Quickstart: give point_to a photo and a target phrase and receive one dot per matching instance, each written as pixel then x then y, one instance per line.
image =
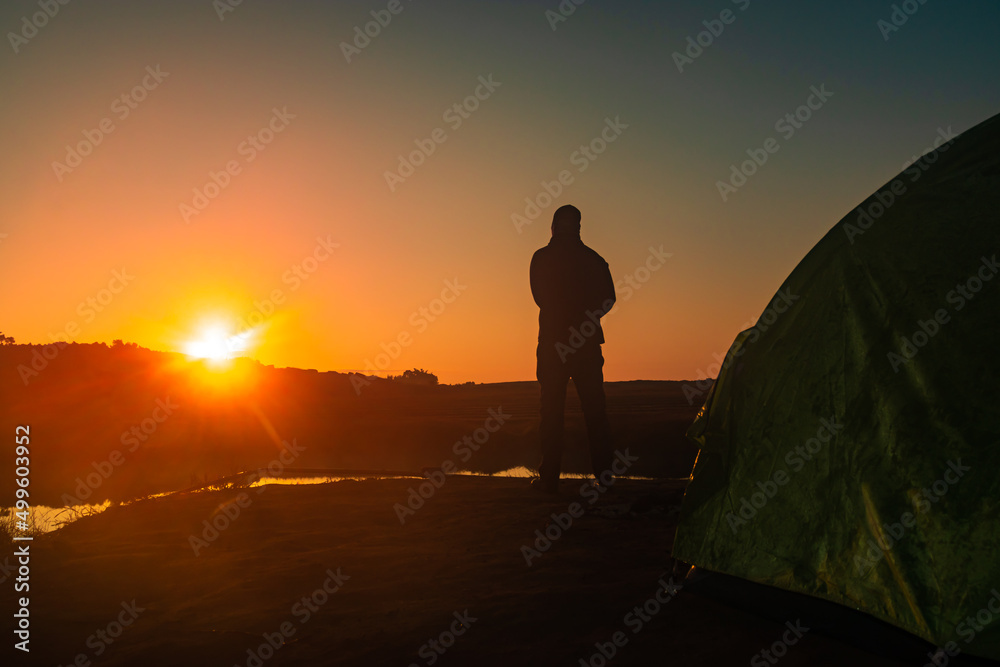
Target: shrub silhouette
pixel 416 376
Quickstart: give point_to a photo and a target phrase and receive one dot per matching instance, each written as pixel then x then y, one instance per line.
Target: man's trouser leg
pixel 588 378
pixel 552 376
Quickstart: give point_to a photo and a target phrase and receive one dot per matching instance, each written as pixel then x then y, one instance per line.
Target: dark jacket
pixel 572 285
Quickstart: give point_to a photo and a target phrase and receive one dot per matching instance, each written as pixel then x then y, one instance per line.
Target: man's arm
pixel 605 289
pixel 535 277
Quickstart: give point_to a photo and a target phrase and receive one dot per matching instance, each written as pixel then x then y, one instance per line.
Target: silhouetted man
pixel 573 288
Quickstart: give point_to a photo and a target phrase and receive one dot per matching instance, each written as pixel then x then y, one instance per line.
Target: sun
pixel 217 344
pixel 216 355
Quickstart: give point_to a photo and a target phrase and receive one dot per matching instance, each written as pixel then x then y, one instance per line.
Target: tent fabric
pixel 850 446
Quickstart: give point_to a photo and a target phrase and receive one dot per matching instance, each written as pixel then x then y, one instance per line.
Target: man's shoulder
pixel 568 252
pixel 593 254
pixel 541 253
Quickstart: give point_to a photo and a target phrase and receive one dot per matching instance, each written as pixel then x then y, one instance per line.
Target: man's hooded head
pixel 566 222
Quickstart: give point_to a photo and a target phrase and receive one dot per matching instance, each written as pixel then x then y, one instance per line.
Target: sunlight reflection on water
pixel 45 519
pixel 324 479
pixel 522 472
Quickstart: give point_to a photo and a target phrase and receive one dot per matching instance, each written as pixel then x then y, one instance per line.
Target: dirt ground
pixel 449 585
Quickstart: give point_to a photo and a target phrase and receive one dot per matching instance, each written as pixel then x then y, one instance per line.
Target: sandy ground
pixel 400 586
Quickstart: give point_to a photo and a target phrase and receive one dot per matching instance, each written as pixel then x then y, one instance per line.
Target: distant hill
pixel 139 422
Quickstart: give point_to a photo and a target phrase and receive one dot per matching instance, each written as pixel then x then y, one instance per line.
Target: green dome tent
pixel 850 447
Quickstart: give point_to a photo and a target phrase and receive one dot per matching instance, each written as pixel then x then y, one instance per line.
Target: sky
pixel 354 201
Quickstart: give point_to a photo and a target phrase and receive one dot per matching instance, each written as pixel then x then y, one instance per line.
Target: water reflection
pixel 44 519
